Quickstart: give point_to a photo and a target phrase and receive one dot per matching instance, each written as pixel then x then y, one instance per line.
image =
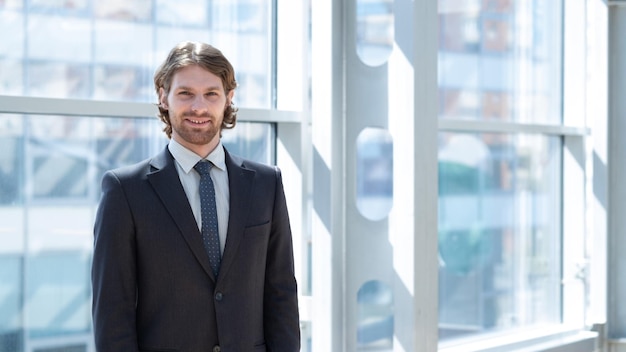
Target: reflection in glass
pixel 374 173
pixel 375 31
pixel 499 232
pixel 504 53
pixel 375 317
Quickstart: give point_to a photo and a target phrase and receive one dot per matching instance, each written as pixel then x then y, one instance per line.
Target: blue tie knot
pixel 203 167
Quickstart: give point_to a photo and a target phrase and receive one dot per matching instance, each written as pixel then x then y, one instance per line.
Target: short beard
pixel 197 136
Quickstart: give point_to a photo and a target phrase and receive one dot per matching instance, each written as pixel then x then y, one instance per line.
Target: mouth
pixel 199 122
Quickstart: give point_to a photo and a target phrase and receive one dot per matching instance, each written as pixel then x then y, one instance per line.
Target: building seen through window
pixel 499 194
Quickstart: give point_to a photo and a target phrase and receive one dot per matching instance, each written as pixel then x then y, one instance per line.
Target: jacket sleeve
pixel 113 273
pixel 281 318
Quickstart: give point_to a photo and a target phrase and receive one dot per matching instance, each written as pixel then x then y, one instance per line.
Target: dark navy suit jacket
pixel 153 289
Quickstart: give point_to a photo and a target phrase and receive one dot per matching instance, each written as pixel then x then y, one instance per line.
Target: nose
pixel 199 106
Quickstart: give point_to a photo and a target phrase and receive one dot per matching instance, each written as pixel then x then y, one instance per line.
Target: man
pixel 176 267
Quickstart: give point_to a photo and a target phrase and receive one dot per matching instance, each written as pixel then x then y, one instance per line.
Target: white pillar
pixel 616 215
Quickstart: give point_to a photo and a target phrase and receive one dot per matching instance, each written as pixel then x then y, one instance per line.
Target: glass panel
pixel 254 141
pixel 499 232
pixel 499 60
pixel 11 292
pixel 11 4
pixel 375 317
pixel 50 171
pixel 130 49
pixel 374 173
pixel 65 7
pixel 51 39
pixel 54 38
pixel 58 80
pixel 137 10
pixel 374 31
pixel 59 294
pixel 11 46
pixel 122 82
pixel 187 13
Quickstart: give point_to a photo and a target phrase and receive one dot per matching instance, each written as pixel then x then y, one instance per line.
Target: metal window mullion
pixel 478 126
pixel 90 108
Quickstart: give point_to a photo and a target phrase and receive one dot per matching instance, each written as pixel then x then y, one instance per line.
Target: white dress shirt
pixel 190 179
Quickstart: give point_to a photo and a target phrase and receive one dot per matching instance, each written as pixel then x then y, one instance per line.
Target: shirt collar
pixel 188 159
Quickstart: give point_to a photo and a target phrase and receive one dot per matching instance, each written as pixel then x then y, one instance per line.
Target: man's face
pixel 196 103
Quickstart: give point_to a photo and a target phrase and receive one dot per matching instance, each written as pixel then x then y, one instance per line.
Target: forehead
pixel 195 76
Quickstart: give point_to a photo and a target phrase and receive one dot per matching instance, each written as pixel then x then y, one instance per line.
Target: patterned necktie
pixel 210 235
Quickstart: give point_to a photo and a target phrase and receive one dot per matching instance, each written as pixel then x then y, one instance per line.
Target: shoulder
pixel 141 169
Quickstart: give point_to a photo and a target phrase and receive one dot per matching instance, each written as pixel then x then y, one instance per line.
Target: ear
pixel 163 98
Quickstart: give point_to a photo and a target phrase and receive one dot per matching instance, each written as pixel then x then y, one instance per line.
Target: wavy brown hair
pixel 206 56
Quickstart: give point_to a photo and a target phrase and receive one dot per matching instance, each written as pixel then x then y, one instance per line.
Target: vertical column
pixel 327 219
pixel 616 317
pixel 374 132
pixel 426 175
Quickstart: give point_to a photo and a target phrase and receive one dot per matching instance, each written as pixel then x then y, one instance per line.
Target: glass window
pixel 374 31
pixel 58 80
pixel 499 232
pixel 56 38
pixel 254 141
pixel 507 54
pixel 132 42
pixel 50 39
pixel 11 293
pixel 12 77
pixel 11 46
pixel 11 175
pixel 122 82
pixel 374 175
pixel 11 4
pixel 138 10
pixel 182 13
pixel 58 293
pixel 375 317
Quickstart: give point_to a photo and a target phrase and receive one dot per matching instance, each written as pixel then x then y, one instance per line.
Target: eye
pixel 184 92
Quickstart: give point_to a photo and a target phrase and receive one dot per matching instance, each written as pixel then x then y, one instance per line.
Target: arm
pixel 281 318
pixel 113 272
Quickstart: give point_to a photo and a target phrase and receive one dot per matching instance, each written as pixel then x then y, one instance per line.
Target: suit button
pixel 218 297
pixel 216 348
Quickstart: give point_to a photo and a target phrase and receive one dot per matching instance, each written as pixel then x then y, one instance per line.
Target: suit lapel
pixel 240 182
pixel 164 178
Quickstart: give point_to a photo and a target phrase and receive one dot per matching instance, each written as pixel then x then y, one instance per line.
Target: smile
pixel 198 121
